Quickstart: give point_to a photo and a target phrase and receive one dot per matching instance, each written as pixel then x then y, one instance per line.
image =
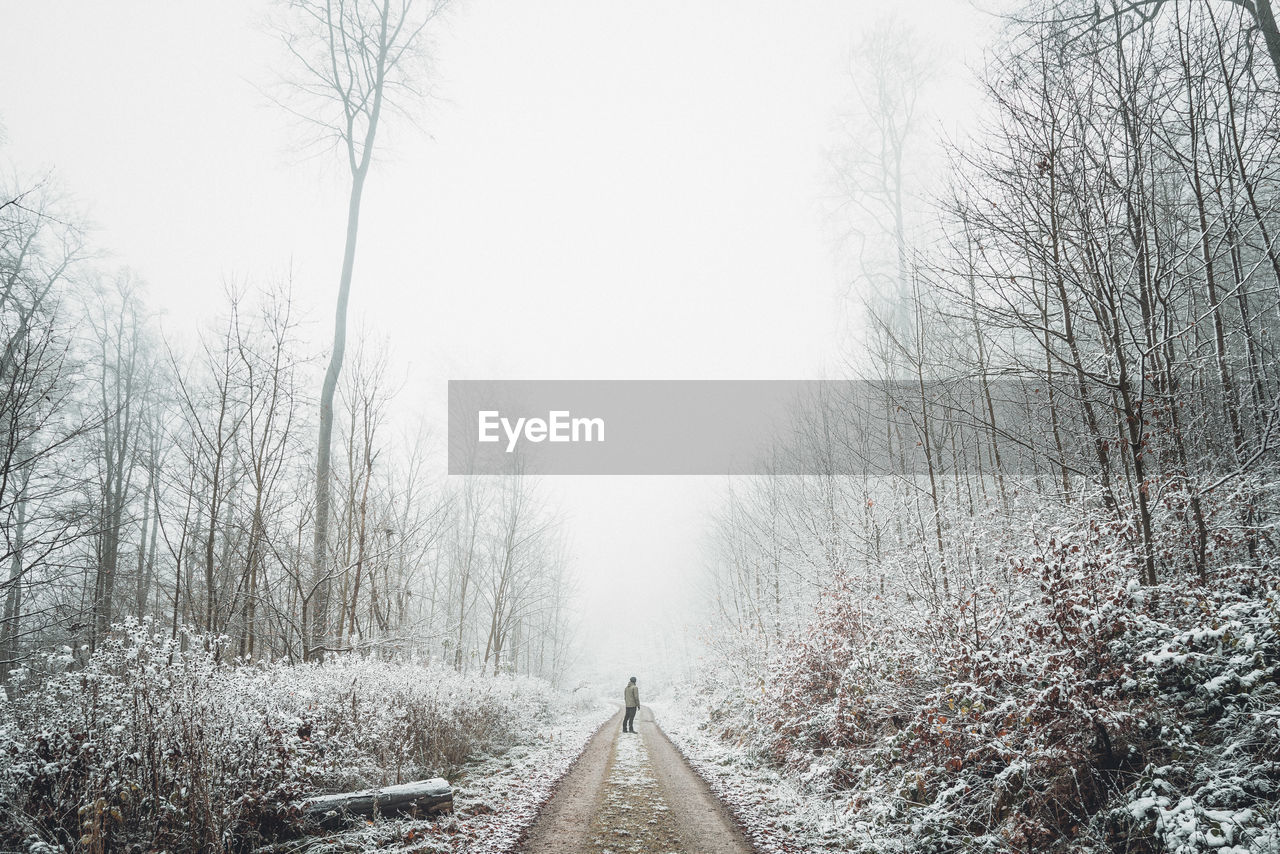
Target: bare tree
pixel 1125 17
pixel 39 422
pixel 267 351
pixel 121 366
pixel 357 59
pixel 880 165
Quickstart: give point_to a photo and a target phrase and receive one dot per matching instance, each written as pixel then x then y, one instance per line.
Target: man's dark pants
pixel 629 720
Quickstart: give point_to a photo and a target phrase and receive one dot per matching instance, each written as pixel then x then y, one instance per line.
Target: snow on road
pixel 565 791
pixel 634 794
pixel 633 817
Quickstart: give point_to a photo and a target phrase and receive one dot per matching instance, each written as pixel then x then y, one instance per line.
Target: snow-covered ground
pixel 1197 771
pixel 155 745
pixel 778 816
pixel 497 795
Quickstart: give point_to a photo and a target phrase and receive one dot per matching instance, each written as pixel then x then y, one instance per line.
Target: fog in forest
pixel 1032 244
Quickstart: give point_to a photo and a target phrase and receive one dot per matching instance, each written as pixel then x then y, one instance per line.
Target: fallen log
pixel 418 799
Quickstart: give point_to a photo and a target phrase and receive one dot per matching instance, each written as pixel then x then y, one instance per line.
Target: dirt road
pixel 633 794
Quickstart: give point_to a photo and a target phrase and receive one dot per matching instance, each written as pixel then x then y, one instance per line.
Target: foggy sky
pixel 596 190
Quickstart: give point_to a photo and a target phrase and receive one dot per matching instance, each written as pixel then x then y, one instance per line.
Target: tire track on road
pixel 634 794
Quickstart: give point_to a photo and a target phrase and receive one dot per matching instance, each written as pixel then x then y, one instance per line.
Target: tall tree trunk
pixel 1073 347
pixel 320 543
pixel 1264 14
pixel 927 441
pixel 1229 401
pixel 9 628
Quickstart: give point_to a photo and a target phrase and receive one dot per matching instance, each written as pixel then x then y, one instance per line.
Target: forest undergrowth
pixel 1084 712
pixel 154 745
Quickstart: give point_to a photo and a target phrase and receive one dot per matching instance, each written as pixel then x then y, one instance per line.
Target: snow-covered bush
pixel 1071 707
pixel 838 685
pixel 153 742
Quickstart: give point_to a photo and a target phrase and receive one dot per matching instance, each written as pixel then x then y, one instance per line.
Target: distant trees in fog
pixel 170 478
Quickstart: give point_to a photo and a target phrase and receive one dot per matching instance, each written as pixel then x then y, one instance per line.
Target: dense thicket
pixel 1050 613
pixel 156 748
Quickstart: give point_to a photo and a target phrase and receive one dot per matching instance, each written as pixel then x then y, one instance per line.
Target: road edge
pixel 729 813
pixel 518 846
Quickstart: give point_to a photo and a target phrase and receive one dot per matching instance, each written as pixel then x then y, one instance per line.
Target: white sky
pixel 603 190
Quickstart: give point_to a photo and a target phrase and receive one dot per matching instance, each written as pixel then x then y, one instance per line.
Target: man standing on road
pixel 631 698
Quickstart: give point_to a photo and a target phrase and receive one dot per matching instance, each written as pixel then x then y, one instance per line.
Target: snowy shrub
pixel 1212 777
pixel 1070 707
pixel 158 745
pixel 1030 711
pixel 838 685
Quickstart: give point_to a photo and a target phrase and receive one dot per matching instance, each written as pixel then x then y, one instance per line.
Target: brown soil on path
pixel 633 794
